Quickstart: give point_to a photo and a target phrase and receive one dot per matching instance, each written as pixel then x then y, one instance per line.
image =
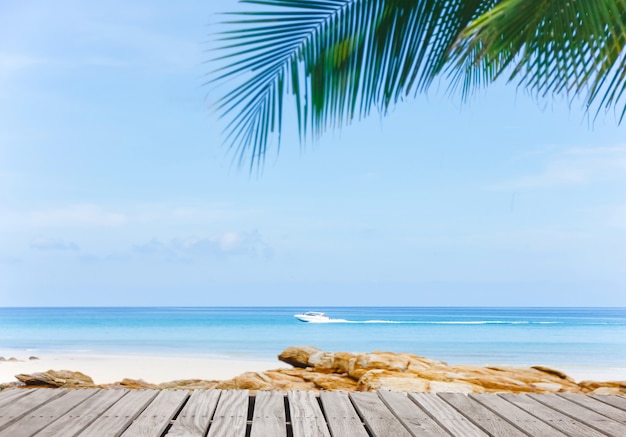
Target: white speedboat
pixel 312 317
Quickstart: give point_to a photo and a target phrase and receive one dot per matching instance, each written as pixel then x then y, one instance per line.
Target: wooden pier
pixel 214 413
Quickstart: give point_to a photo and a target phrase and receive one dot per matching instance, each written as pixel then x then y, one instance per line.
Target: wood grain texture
pixel 446 416
pixel 119 416
pixel 231 414
pixel 616 401
pixel 341 416
pixel 481 416
pixel 582 414
pixel 21 407
pixel 307 419
pixel 81 416
pixel 156 417
pixel 558 420
pixel 379 420
pixel 414 419
pixel 8 396
pixel 523 420
pixel 599 407
pixel 39 418
pixel 194 419
pixel 269 418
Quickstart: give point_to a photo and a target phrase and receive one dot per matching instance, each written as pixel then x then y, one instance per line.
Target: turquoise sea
pixel 592 338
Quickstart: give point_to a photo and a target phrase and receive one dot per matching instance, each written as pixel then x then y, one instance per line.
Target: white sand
pixel 105 369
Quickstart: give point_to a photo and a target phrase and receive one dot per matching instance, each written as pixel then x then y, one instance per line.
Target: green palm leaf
pixel 341 59
pixel 570 47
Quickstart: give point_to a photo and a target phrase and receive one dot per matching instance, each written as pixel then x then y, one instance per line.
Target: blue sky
pixel 116 187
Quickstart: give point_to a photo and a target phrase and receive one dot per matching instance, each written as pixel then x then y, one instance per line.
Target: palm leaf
pixel 339 59
pixel 570 47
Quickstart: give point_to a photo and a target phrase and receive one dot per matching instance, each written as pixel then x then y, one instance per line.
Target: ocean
pixel 565 338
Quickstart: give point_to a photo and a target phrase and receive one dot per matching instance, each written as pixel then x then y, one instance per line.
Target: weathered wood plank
pixel 560 421
pixel 195 417
pixel 22 406
pixel 118 417
pixel 307 419
pixel 520 418
pixel 39 418
pixel 231 414
pixel 379 420
pixel 481 416
pixel 269 418
pixel 8 396
pixel 156 417
pixel 597 406
pixel 341 416
pixel 81 416
pixel 446 416
pixel 616 401
pixel 582 414
pixel 411 415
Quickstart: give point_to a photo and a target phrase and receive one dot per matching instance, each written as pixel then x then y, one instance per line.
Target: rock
pixel 33 358
pixel 2 359
pixel 317 370
pixel 298 356
pixel 608 387
pixel 271 380
pixel 12 359
pixel 137 384
pixel 188 384
pixel 56 378
pixel 324 381
pixel 552 387
pixel 554 372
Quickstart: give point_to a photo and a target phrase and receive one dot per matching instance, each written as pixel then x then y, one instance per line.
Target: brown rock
pixel 608 386
pixel 554 372
pixel 136 384
pixel 324 381
pixel 298 356
pixel 188 384
pixel 56 378
pixel 272 380
pixel 344 361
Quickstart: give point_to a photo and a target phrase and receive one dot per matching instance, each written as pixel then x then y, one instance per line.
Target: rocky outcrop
pixel 314 369
pixel 55 379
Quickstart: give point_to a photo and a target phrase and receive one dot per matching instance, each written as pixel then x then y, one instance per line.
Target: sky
pixel 117 188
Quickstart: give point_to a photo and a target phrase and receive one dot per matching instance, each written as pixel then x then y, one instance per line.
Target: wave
pixel 421 322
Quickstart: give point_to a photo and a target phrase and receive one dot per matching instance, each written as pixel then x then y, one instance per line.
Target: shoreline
pixel 157 369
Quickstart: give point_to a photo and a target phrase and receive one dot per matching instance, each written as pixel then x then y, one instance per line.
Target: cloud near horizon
pixel 219 245
pixel 53 244
pixel 84 215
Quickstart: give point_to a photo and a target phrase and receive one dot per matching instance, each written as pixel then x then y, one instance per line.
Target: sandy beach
pixel 105 369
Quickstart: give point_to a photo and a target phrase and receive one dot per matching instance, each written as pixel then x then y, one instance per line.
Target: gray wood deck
pixel 236 413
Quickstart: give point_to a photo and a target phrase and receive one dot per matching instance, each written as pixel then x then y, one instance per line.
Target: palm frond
pixel 340 59
pixel 570 47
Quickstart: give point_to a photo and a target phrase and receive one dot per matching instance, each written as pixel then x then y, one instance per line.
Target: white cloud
pixel 53 244
pixel 218 245
pixel 86 215
pixel 577 166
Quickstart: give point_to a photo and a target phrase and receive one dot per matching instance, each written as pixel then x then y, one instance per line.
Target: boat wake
pixel 417 322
